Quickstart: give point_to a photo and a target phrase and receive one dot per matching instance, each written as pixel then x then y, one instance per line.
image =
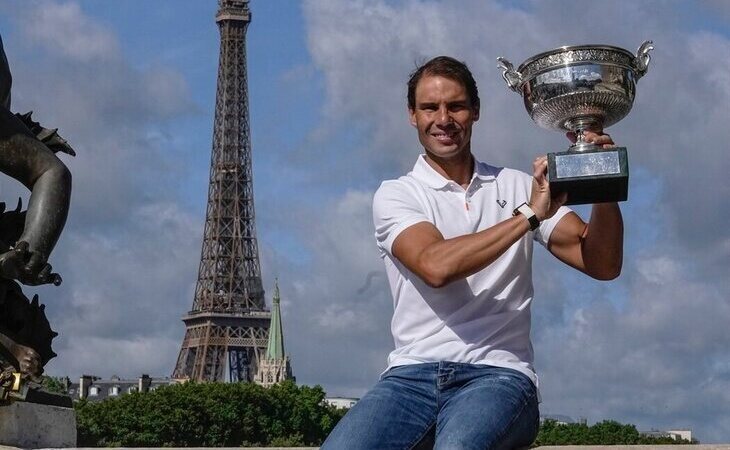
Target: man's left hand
pixel 600 138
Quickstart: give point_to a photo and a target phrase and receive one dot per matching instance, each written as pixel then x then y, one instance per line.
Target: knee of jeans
pixel 462 443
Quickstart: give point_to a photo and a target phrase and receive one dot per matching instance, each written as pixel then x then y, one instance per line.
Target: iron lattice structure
pixel 228 326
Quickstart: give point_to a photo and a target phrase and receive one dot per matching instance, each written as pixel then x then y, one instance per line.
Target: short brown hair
pixel 447 67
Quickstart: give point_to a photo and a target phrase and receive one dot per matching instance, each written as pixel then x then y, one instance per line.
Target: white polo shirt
pixel 485 318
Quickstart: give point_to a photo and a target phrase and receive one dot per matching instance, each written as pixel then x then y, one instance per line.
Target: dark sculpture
pixel 27 153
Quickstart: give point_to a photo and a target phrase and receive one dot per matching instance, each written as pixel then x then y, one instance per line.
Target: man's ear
pixel 412 116
pixel 476 113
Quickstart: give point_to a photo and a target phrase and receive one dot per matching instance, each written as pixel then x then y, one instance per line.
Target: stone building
pixel 341 402
pixel 94 388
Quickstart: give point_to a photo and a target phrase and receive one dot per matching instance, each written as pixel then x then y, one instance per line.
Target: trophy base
pixel 589 177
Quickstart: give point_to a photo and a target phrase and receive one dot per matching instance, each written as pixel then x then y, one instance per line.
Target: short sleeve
pixel 395 208
pixel 543 232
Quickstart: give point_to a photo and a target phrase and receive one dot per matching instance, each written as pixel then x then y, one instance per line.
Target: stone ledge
pixel 549 447
pixel 32 425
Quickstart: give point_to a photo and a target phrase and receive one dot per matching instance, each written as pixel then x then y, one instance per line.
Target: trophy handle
pixel 641 61
pixel 512 77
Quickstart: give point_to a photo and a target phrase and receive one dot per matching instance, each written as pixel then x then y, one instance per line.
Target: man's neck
pixel 458 169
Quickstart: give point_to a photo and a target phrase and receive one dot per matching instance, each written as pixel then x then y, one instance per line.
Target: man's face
pixel 444 116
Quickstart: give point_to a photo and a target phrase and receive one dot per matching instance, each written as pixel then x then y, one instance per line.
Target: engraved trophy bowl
pixel 582 88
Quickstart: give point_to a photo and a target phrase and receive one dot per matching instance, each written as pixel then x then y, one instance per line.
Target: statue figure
pixel 28 154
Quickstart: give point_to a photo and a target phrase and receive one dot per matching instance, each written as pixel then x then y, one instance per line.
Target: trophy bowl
pixel 582 88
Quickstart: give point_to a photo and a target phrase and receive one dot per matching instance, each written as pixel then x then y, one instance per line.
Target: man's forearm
pixel 602 243
pixel 453 259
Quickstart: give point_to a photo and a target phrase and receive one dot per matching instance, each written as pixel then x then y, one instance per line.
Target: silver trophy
pixel 582 88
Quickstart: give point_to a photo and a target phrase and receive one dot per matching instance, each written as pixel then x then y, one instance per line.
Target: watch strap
pixel 526 211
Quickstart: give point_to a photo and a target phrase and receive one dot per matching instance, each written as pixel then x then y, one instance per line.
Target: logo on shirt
pixel 501 203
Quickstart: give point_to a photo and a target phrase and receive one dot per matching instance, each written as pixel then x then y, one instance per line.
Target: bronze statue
pixel 27 153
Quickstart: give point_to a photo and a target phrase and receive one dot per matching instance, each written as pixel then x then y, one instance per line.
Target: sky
pixel 131 85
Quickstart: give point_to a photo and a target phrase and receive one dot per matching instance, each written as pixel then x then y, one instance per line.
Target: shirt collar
pixel 426 174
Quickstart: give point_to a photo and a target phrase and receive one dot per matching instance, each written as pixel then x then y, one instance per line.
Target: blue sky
pixel 132 85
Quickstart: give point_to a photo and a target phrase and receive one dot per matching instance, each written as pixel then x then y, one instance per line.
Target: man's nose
pixel 443 117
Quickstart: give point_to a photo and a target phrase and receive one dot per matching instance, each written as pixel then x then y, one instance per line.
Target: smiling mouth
pixel 444 136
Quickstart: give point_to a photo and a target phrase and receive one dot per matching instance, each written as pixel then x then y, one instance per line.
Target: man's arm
pixel 595 248
pixel 438 261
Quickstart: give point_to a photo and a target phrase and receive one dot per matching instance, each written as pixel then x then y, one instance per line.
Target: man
pixel 456 238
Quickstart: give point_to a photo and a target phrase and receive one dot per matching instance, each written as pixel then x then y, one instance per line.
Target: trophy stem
pixel 579 125
pixel 581 146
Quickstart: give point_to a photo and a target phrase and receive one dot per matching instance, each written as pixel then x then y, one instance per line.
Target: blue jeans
pixel 443 405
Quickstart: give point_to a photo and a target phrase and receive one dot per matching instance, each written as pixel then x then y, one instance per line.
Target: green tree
pixel 608 432
pixel 54 384
pixel 209 414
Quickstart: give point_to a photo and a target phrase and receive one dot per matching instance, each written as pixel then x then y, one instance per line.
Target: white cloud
pixel 132 357
pixel 64 28
pixel 123 287
pixel 660 269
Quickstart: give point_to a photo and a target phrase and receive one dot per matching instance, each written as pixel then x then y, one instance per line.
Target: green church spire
pixel 275 348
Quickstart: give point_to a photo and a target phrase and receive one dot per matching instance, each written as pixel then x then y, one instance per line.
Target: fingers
pixel 539 168
pixel 539 173
pixel 592 137
pixel 599 139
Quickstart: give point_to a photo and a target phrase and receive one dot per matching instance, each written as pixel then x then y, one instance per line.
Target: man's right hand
pixel 541 202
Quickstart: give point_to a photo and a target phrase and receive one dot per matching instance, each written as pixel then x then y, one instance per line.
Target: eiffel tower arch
pixel 228 326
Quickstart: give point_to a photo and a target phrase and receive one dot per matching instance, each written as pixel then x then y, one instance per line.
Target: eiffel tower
pixel 227 328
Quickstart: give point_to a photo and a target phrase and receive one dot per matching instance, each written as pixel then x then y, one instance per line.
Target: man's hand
pixel 591 137
pixel 26 266
pixel 541 201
